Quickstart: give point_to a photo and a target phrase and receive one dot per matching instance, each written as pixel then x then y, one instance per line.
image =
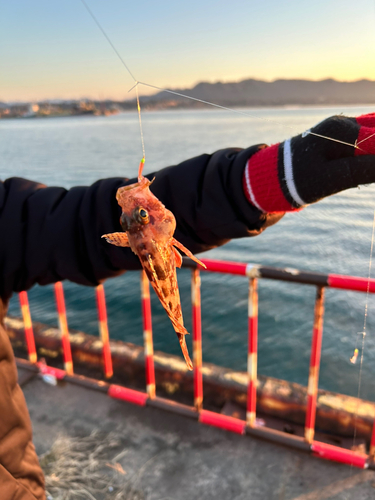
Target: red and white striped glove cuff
pixel 265 174
pixel 366 137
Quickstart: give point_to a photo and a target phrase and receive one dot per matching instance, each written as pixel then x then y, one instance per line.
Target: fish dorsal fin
pixel 187 252
pixel 177 257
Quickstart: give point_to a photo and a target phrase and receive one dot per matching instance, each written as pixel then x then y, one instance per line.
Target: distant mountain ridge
pixel 281 92
pixel 246 93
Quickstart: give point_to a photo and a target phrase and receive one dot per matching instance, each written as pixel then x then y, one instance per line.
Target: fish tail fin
pixel 184 349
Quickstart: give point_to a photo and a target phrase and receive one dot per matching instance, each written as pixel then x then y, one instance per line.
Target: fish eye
pixel 143 216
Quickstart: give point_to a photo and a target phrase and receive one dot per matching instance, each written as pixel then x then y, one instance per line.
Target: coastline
pixel 20 112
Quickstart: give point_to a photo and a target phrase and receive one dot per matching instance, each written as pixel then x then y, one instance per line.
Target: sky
pixel 53 49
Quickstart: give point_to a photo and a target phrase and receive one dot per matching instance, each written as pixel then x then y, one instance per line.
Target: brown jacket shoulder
pixel 21 477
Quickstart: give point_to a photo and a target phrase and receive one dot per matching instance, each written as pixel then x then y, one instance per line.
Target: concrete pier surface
pixel 151 454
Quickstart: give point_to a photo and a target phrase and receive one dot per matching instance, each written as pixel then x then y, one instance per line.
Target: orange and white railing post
pixel 63 325
pixel 197 338
pixel 147 336
pixel 316 347
pixel 103 330
pixel 252 356
pixel 29 333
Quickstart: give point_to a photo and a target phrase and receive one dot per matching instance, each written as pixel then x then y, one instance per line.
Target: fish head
pixel 144 217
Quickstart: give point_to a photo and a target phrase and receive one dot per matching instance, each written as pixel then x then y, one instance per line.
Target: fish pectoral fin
pixel 177 256
pixel 187 252
pixel 184 349
pixel 118 239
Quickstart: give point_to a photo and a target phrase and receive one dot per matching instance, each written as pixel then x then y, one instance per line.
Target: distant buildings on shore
pixel 58 108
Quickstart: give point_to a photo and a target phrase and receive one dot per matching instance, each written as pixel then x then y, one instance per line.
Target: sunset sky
pixel 53 49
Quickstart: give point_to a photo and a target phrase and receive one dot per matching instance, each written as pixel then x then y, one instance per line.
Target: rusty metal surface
pixel 276 398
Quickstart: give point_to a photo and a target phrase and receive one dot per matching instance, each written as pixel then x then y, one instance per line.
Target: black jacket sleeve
pixel 49 234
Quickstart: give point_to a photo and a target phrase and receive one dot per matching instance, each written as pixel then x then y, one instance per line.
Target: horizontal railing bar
pixel 57 373
pixel 344 282
pixel 218 266
pixel 89 383
pixel 173 406
pixel 351 283
pixel 225 422
pixel 128 395
pixel 336 454
pixel 279 437
pixel 25 364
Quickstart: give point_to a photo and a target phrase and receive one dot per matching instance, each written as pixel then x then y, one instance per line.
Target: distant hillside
pixel 236 94
pixel 278 93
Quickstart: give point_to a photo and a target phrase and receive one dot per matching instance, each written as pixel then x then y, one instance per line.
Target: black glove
pixel 337 154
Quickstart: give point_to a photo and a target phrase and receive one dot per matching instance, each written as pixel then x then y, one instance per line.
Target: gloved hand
pixel 337 154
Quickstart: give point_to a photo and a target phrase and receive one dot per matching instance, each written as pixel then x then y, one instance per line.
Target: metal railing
pixel 249 425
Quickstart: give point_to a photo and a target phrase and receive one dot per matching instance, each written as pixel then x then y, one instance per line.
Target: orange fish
pixel 148 230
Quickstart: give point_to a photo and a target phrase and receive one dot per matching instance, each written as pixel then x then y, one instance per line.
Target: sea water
pixel 331 236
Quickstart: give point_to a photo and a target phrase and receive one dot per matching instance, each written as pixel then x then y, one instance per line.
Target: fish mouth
pixel 129 187
pixel 142 184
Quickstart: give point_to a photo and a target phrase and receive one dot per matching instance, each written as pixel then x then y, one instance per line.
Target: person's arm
pixel 207 198
pixel 50 234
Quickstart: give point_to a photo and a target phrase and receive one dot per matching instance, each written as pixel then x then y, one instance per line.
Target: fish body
pixel 148 230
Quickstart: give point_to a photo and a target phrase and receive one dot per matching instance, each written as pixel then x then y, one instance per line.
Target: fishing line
pixel 332 139
pixel 127 69
pixel 366 138
pixel 107 37
pixel 306 133
pixel 363 333
pixel 243 113
pixel 140 123
pixel 215 105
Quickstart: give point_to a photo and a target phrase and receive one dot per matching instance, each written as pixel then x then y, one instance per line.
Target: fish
pixel 148 228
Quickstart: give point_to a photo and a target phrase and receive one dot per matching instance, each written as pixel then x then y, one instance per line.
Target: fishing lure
pixel 148 230
pixel 354 358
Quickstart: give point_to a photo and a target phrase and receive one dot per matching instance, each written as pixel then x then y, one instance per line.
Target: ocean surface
pixel 331 236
